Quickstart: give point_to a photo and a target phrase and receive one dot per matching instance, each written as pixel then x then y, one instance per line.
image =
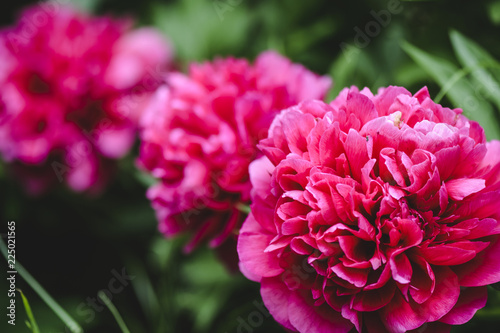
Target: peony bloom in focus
pixel 199 135
pixel 72 88
pixel 373 214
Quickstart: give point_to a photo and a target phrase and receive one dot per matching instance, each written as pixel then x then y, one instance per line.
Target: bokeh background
pixel 73 243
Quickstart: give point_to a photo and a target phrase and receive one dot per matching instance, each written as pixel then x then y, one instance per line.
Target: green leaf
pixel 207 286
pixel 206 262
pixel 409 75
pixel 303 39
pixel 32 325
pixel 202 29
pixel 472 56
pixel 144 289
pixel 343 68
pixel 459 90
pixel 353 67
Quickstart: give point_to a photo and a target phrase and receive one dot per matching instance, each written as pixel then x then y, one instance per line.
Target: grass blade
pixel 32 322
pixel 102 295
pixel 73 326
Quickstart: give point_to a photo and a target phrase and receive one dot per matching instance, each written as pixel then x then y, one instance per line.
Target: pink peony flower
pixel 373 214
pixel 72 88
pixel 200 134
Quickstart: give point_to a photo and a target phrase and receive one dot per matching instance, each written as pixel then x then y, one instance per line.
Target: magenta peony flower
pixel 373 214
pixel 200 134
pixel 72 88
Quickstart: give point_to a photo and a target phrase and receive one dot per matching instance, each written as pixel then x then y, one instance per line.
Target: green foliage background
pixel 71 243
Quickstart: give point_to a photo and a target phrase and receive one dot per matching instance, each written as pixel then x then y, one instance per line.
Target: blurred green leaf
pixel 145 178
pixel 459 90
pixel 343 68
pixel 144 289
pixel 202 29
pixel 409 74
pixel 494 12
pixel 301 40
pixel 244 208
pixel 164 251
pixel 352 67
pixel 86 5
pixel 477 59
pixel 209 287
pixel 205 270
pixel 204 304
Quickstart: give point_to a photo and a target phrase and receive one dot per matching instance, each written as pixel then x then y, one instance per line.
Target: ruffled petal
pixel 306 317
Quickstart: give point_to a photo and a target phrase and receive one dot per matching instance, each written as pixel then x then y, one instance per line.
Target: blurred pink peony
pixel 373 214
pixel 72 88
pixel 200 134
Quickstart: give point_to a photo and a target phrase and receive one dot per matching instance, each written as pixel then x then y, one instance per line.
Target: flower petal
pixel 276 296
pixel 470 300
pixel 458 189
pixel 306 317
pixel 484 269
pixel 251 250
